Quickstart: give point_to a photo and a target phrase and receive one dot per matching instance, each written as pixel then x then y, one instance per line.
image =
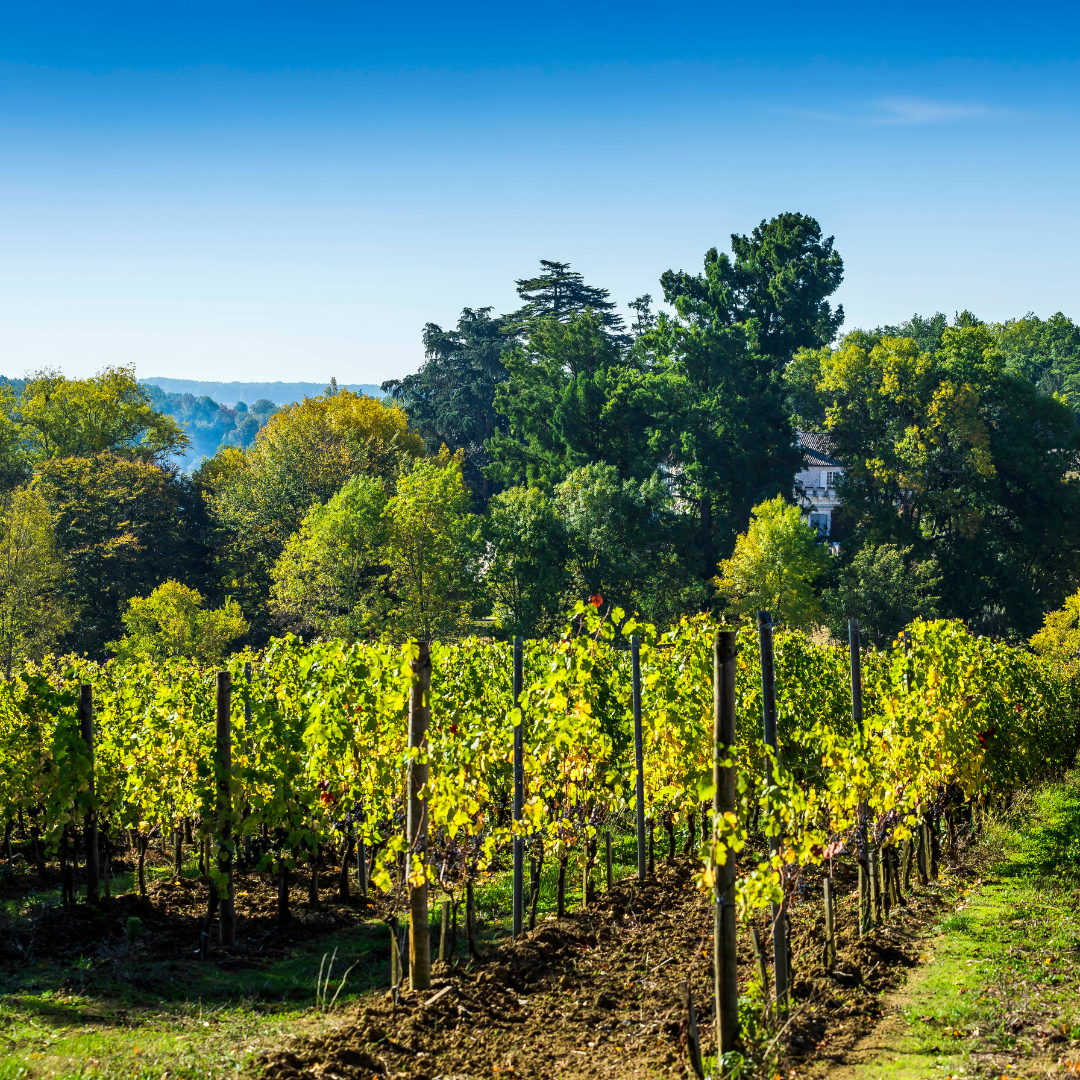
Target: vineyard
pixel 316 754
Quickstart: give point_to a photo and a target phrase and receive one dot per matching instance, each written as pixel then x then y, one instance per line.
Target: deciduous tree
pixel 175 621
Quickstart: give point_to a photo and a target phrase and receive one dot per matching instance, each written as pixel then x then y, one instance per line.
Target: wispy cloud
pixel 916 110
pixel 904 110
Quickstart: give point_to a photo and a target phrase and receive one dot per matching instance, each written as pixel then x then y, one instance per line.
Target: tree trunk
pixel 691 833
pixel 346 862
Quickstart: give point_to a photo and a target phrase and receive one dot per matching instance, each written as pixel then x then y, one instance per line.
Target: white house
pixel 815 485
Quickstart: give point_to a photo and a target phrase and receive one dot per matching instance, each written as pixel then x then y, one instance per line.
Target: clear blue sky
pixel 268 191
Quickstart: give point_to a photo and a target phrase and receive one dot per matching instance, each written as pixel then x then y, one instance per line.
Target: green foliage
pixel 625 543
pixel 955 455
pixel 525 564
pixel 365 565
pixel 59 417
pixel 560 293
pixel 451 399
pixel 569 400
pixel 715 371
pixel 173 621
pixel 331 580
pixel 1046 352
pixel 303 456
pixel 885 588
pixel 1059 639
pixel 432 547
pixel 34 614
pixel 123 527
pixel 775 566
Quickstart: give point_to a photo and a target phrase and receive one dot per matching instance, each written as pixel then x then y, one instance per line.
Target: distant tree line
pixel 559 451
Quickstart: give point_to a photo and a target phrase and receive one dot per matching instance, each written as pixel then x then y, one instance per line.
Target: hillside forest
pixel 643 457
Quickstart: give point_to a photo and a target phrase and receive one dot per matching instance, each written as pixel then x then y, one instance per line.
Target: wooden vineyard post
pixel 361 854
pixel 227 897
pixel 90 831
pixel 419 929
pixel 444 932
pixel 607 858
pixel 863 848
pixel 921 860
pixel 724 942
pixel 875 886
pixel 768 703
pixel 762 967
pixel 639 756
pixel 247 754
pixel 519 791
pixel 829 957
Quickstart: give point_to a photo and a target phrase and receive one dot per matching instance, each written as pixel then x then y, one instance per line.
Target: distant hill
pixel 280 393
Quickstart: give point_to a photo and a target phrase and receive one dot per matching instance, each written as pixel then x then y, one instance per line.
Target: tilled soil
pixel 598 994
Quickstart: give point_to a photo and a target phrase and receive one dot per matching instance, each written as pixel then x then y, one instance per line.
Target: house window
pixel 831 478
pixel 821 523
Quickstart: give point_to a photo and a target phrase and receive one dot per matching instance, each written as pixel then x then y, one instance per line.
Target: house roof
pixel 818 450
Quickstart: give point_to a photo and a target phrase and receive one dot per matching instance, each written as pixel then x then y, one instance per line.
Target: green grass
pixel 1006 964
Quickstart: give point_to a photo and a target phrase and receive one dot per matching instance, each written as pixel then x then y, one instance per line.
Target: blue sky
pixel 271 191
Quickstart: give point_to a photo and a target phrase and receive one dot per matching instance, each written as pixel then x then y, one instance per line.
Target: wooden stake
pixel 762 965
pixel 519 791
pixel 444 933
pixel 419 716
pixel 90 830
pixel 607 858
pixel 639 755
pixel 725 959
pixel 829 957
pixel 226 898
pixel 768 698
pixel 921 855
pixel 693 1040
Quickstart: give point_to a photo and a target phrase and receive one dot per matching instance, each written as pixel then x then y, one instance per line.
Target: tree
pixel 1045 352
pixel 525 567
pixel 569 400
pixel 451 399
pixel 775 566
pixel 123 527
pixel 780 280
pixel 715 369
pixel 60 417
pixel 560 293
pixel 174 621
pixel 47 416
pixel 34 613
pixel 303 456
pixel 432 550
pixel 625 543
pixel 955 454
pixel 331 579
pixel 885 588
pixel 1059 638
